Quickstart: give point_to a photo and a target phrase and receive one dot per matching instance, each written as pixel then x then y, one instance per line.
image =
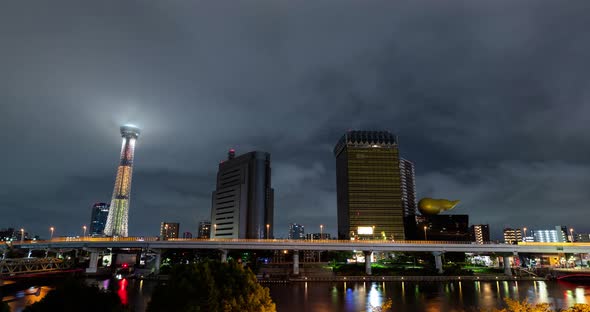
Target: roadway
pixel 321 245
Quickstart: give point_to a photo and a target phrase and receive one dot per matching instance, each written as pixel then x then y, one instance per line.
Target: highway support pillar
pixel 438 261
pixel 507 268
pixel 223 255
pixel 157 260
pixel 295 262
pixel 93 264
pixel 368 262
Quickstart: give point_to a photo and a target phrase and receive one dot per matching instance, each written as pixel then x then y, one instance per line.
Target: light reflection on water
pixel 427 296
pixel 361 296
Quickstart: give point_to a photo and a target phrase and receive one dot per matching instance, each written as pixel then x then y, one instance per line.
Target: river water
pixel 361 296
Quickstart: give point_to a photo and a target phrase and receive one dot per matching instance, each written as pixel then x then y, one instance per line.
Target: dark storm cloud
pixel 488 98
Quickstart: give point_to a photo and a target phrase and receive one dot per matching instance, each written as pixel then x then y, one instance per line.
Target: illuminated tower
pixel 119 212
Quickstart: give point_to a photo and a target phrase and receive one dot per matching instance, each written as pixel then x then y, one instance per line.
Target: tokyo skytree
pixel 119 213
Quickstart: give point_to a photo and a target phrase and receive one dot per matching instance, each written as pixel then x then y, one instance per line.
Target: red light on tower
pixel 125 265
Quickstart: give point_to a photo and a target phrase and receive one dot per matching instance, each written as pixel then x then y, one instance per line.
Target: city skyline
pixel 490 116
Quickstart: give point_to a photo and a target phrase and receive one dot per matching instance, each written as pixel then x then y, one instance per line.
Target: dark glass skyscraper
pixel 98 219
pixel 118 219
pixel 243 202
pixel 369 185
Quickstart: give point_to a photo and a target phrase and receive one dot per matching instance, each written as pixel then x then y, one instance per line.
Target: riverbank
pixel 400 279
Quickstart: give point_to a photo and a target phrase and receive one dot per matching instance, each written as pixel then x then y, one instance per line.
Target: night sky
pixel 490 99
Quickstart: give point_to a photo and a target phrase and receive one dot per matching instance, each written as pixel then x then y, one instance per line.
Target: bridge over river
pixel 437 248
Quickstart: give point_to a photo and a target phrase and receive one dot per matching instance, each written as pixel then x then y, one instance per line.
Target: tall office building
pixel 296 231
pixel 205 229
pixel 243 202
pixel 118 218
pixel 512 236
pixel 98 219
pixel 409 203
pixel 480 233
pixel 169 230
pixel 368 184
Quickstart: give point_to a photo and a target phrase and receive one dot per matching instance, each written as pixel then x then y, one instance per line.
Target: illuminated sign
pixel 365 230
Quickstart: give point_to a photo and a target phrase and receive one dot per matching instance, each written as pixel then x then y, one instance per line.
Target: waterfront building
pixel 512 236
pixel 480 233
pixel 313 236
pixel 555 235
pixel 243 201
pixel 409 202
pixel 368 181
pixel 169 230
pixel 118 217
pixel 451 227
pixel 8 234
pixel 296 231
pixel 205 229
pixel 581 237
pixel 98 218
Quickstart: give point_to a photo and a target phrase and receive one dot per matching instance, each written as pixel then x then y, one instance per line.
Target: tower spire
pixel 119 213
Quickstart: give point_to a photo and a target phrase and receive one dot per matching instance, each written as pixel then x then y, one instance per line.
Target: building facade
pixel 451 227
pixel 118 217
pixel 169 230
pixel 314 236
pixel 480 233
pixel 205 229
pixel 368 181
pixel 512 236
pixel 243 202
pixel 296 231
pixel 409 202
pixel 555 235
pixel 98 218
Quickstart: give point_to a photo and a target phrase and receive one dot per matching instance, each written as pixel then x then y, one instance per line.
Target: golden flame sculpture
pixel 431 206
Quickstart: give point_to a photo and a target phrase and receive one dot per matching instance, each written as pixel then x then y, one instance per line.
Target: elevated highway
pixel 281 244
pixel 437 248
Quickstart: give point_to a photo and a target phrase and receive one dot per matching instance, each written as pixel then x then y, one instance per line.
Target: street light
pixel 84 228
pixel 425 227
pixel 51 229
pixel 22 235
pixel 321 231
pixel 267 231
pixel 572 234
pixel 524 238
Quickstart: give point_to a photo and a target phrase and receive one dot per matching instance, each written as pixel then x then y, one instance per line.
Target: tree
pixel 211 286
pixel 4 307
pixel 76 295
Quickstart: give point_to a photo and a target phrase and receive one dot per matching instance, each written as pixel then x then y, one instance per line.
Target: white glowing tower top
pixel 119 213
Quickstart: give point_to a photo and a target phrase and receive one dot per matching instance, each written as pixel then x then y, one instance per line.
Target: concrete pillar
pixel 3 254
pixel 368 262
pixel 29 253
pixel 295 262
pixel 507 268
pixel 93 264
pixel 223 255
pixel 157 261
pixel 438 261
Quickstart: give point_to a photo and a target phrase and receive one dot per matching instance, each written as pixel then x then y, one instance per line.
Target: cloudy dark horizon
pixel 489 99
